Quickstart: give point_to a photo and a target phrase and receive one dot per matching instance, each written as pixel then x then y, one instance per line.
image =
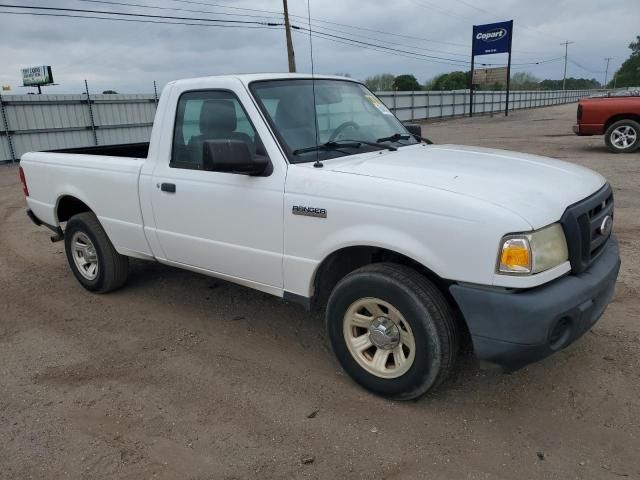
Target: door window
pixel 209 115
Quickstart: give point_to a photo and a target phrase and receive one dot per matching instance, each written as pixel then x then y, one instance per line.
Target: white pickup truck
pixel 310 189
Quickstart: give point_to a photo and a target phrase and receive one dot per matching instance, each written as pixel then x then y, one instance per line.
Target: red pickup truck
pixel 617 117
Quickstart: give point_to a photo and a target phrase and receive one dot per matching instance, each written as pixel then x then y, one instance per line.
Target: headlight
pixel 533 252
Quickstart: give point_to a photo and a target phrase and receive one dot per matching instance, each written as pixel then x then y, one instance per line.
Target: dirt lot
pixel 181 376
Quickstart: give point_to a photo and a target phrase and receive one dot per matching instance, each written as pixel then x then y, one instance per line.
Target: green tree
pixel 383 82
pixel 524 81
pixel 405 83
pixel 572 84
pixel 629 73
pixel 449 81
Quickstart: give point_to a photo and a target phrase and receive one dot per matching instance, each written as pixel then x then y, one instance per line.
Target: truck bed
pixel 105 178
pixel 131 150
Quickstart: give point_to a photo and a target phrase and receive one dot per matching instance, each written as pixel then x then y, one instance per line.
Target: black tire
pixel 113 268
pixel 423 307
pixel 629 124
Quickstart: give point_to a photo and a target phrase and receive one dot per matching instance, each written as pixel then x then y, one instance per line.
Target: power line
pixel 589 70
pixel 226 6
pixel 399 54
pixel 430 57
pixel 476 8
pixel 155 7
pixel 360 42
pixel 358 35
pixel 352 41
pixel 316 20
pixel 91 17
pixel 144 15
pixel 404 53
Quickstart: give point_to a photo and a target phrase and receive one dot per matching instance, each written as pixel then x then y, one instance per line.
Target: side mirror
pixel 232 156
pixel 414 129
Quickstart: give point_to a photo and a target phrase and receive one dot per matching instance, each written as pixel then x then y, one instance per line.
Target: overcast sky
pixel 128 56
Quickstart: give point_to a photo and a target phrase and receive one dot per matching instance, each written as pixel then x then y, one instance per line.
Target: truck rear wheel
pixel 91 255
pixel 392 330
pixel 623 136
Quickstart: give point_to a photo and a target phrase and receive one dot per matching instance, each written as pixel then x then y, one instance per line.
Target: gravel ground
pixel 181 376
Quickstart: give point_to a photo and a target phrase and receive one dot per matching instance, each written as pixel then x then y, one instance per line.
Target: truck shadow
pixel 243 311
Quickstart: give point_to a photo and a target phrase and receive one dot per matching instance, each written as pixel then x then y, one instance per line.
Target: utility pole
pixel 566 55
pixel 606 72
pixel 287 27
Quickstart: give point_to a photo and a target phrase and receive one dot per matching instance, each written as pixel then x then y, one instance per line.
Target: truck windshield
pixel 349 118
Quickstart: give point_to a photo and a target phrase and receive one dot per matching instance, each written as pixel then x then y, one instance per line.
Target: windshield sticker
pixel 378 104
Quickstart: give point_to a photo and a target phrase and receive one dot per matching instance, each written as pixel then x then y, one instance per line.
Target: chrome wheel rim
pixel 379 338
pixel 84 255
pixel 624 136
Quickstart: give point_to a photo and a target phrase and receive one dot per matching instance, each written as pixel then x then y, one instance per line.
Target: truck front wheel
pixel 623 136
pixel 91 255
pixel 392 330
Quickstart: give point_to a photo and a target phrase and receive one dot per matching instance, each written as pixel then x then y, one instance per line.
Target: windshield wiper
pixel 327 146
pixel 403 136
pixel 342 144
pixel 395 137
pixel 373 144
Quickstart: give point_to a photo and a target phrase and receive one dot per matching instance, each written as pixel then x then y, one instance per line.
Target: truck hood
pixel 536 188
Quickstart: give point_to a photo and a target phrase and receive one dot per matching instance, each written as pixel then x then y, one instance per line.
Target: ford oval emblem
pixel 606 226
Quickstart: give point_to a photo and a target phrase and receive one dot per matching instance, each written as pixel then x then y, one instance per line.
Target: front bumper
pixel 515 328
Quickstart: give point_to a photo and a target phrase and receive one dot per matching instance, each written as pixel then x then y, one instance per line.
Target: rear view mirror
pixel 232 156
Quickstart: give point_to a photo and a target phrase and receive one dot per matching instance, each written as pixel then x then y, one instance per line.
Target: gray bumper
pixel 515 328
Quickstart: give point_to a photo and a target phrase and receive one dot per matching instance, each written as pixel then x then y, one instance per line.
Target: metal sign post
pixel 473 58
pixel 506 108
pixel 490 39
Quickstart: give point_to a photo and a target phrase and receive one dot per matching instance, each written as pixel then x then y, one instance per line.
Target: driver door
pixel 225 223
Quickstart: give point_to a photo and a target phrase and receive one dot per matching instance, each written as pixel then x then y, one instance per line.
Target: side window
pixel 209 115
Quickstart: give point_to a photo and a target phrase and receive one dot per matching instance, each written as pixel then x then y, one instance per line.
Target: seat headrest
pixel 293 113
pixel 217 116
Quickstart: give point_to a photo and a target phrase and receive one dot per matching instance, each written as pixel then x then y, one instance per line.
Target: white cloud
pixel 127 56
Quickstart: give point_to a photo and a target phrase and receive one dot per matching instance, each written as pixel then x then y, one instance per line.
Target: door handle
pixel 168 187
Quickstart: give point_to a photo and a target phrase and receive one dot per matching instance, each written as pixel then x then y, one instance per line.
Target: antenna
pixel 318 163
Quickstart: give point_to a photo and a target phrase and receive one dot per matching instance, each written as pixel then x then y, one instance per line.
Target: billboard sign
pixel 492 38
pixel 490 76
pixel 37 76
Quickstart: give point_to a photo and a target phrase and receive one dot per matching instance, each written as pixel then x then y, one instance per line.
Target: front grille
pixel 581 223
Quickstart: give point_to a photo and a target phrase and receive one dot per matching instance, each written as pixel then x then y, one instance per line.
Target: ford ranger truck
pixel 310 189
pixel 616 117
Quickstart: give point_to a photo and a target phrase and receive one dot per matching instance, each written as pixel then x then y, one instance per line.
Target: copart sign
pixel 492 38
